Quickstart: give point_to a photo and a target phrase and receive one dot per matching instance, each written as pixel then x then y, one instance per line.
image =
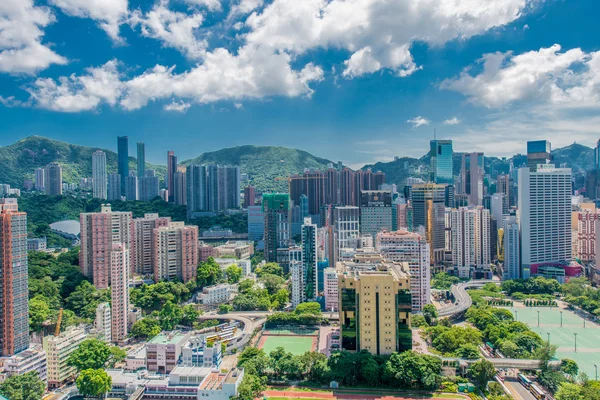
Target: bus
pixel 524 380
pixel 537 392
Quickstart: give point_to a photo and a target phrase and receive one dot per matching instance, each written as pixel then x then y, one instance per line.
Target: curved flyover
pixel 250 321
pixel 462 300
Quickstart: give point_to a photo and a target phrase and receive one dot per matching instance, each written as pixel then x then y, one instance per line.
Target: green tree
pixel 209 273
pixel 482 372
pixel 90 354
pixel 269 269
pixel 569 367
pixel 251 387
pixel 280 299
pixel 311 307
pixel 190 315
pixel 246 285
pixel 224 308
pixel 84 300
pixel 430 313
pixel 569 391
pixel 469 351
pixel 117 355
pixel 254 360
pixel 145 328
pixel 39 312
pixel 93 382
pixel 418 321
pixel 28 386
pixel 234 273
pixel 272 283
pixel 170 316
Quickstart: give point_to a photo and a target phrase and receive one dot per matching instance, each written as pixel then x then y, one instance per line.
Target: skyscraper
pixel 141 159
pixel 175 249
pixel 412 248
pixel 256 223
pixel 53 179
pixel 441 152
pixel 114 187
pixel 310 260
pixel 142 242
pixel 506 185
pixel 428 211
pixel 470 239
pixel 212 188
pixel 123 160
pixel 131 188
pixel 512 258
pixel 228 187
pixel 276 209
pixel 39 179
pixel 179 187
pixel 119 288
pixel 538 152
pixel 471 177
pixel 100 179
pixel 249 197
pixel 99 231
pixel 148 186
pixel 544 217
pixel 171 170
pixel 14 306
pixel 375 211
pixel 346 229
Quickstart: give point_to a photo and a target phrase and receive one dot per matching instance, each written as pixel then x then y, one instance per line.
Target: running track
pixel 338 396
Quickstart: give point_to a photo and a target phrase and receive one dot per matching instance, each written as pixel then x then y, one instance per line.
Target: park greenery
pixel 443 281
pixel 308 313
pixel 170 316
pixel 93 382
pixel 269 293
pixel 95 354
pixel 28 386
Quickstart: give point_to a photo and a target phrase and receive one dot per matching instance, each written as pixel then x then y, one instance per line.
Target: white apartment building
pixel 297 278
pixel 218 294
pixel 330 286
pixel 412 248
pixel 470 239
pixel 346 228
pixel 544 216
pixel 58 349
pixel 31 360
pixel 103 322
pixel 512 253
pixel 99 175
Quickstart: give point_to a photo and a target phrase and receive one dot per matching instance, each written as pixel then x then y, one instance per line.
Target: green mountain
pixel 267 166
pixel 19 160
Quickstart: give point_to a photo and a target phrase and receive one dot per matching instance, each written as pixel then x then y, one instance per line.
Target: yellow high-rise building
pixel 375 306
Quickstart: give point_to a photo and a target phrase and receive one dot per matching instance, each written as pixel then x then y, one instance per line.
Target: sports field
pixel 588 338
pixel 288 331
pixel 293 344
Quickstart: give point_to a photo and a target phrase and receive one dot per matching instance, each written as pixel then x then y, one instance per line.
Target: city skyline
pixel 357 104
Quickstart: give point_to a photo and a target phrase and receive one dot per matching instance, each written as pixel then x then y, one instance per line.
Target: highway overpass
pixel 462 300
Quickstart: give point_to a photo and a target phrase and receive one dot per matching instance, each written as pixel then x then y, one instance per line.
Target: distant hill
pixel 264 164
pixel 19 160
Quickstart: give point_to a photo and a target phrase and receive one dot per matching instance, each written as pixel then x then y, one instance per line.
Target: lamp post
pixel 561 319
pixel 575 333
pixel 516 315
pixel 538 318
pixel 596 366
pixel 548 337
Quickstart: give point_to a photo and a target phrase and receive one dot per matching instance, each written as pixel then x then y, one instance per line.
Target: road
pixel 462 299
pixel 518 391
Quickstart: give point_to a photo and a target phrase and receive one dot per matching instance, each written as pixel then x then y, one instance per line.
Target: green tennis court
pixel 293 344
pixel 291 331
pixel 588 344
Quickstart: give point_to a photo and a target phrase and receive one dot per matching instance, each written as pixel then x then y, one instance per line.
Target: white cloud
pixel 110 14
pixel 548 75
pixel 212 5
pixel 452 121
pixel 174 29
pixel 418 121
pixel 238 106
pixel 243 7
pixel 180 106
pixel 21 32
pixel 370 29
pixel 79 93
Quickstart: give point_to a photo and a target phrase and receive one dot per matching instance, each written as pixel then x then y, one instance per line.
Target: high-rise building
pixel 470 239
pixel 39 179
pixel 538 152
pixel 171 170
pixel 142 242
pixel 310 260
pixel 14 306
pixel 58 349
pixel 99 231
pixel 499 206
pixel 175 249
pixel 99 177
pixel 131 188
pixel 179 197
pixel 506 185
pixel 53 179
pixel 276 210
pixel 103 322
pixel 428 211
pixel 228 187
pixel 412 248
pixel 148 186
pixel 346 229
pixel 141 160
pixel 441 153
pixel 511 244
pixel 471 177
pixel 331 292
pixel 544 217
pixel 256 223
pixel 119 289
pixel 374 306
pixel 212 188
pixel 249 197
pixel 114 187
pixel 123 159
pixel 585 235
pixel 375 211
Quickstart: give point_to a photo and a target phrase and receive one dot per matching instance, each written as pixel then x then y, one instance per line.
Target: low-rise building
pixel 31 360
pixel 36 244
pixel 205 251
pixel 218 294
pixel 239 250
pixel 136 359
pixel 58 349
pixel 245 265
pixel 163 351
pixel 330 286
pixel 198 353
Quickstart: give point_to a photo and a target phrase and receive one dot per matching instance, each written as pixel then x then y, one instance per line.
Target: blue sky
pixel 352 80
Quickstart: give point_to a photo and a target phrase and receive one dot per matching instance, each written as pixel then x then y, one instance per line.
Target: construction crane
pixel 58 321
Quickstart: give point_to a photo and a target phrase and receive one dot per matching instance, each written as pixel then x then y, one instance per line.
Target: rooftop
pixel 168 338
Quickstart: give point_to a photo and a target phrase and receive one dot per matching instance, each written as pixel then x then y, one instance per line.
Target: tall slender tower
pixel 99 176
pixel 119 274
pixel 141 159
pixel 53 179
pixel 171 169
pixel 14 308
pixel 123 164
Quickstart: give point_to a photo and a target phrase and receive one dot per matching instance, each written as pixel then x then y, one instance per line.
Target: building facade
pixel 119 289
pixel 142 242
pixel 428 212
pixel 53 184
pixel 175 252
pixel 471 177
pixel 375 211
pixel 123 160
pixel 99 175
pixel 276 211
pixel 58 349
pixel 441 161
pixel 470 239
pixel 511 247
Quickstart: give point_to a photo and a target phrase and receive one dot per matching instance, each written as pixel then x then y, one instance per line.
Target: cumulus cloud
pixel 21 32
pixel 244 7
pixel 418 121
pixel 570 78
pixel 174 29
pixel 180 106
pixel 110 14
pixel 369 29
pixel 212 5
pixel 452 121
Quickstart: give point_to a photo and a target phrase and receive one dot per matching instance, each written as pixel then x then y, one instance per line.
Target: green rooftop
pixel 168 338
